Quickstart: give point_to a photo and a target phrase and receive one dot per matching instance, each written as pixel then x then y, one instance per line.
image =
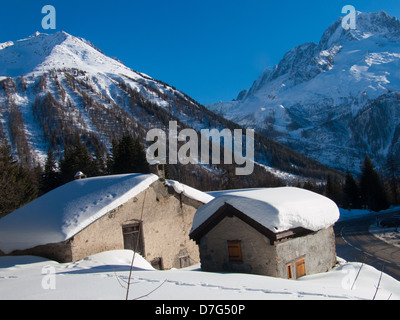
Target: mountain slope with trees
pixel 76 94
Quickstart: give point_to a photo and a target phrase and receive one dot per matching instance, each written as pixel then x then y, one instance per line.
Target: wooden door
pixel 300 268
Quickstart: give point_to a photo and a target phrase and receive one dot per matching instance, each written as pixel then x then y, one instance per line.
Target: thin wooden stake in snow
pixel 379 282
pixel 358 273
pixel 136 246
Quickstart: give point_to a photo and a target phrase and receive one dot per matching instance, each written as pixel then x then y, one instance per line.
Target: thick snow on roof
pixel 190 192
pixel 278 209
pixel 63 212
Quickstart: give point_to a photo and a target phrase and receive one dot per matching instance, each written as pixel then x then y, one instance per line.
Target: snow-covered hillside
pixel 57 87
pixel 61 78
pixel 105 276
pixel 335 101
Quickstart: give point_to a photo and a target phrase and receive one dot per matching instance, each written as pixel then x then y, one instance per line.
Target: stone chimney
pixel 80 175
pixel 158 169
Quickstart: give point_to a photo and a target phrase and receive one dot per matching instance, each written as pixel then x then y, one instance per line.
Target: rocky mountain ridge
pixel 336 101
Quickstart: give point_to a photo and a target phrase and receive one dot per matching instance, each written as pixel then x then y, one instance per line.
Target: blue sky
pixel 209 49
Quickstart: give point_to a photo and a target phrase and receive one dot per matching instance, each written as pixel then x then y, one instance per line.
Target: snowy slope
pixel 105 275
pixel 331 100
pixel 92 94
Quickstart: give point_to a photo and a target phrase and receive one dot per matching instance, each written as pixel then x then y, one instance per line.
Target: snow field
pixel 104 276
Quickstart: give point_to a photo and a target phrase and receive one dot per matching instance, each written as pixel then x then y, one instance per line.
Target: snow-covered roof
pixel 277 209
pixel 65 211
pixel 189 192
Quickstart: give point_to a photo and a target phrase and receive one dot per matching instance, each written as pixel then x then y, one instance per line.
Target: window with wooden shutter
pixel 235 251
pixel 300 268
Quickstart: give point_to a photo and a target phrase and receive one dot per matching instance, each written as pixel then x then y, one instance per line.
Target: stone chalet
pixel 280 232
pixel 133 211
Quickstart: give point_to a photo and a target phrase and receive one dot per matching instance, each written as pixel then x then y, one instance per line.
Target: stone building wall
pixel 259 256
pixel 167 220
pixel 54 251
pixel 318 250
pixel 258 253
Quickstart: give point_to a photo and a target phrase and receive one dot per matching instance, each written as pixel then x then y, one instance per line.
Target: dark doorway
pixel 157 263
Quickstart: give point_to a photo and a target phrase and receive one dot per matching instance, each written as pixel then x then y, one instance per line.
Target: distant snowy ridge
pixel 335 101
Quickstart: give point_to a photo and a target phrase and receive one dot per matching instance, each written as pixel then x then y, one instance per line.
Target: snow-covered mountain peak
pixel 379 24
pixel 42 52
pixel 36 34
pixel 327 91
pixel 368 24
pixel 26 55
pixel 375 32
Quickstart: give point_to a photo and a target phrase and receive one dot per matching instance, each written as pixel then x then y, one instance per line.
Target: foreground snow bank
pixel 104 276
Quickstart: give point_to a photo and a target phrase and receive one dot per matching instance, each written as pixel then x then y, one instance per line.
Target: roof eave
pixel 227 210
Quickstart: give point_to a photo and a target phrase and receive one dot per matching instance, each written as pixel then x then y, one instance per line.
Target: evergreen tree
pixel 123 155
pixel 332 189
pixel 371 188
pixel 309 185
pixel 18 186
pixel 76 158
pixel 128 156
pixel 99 164
pixel 51 177
pixel 141 164
pixel 392 172
pixel 351 193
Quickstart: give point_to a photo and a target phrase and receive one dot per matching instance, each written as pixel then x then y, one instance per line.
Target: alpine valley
pixel 337 101
pixel 57 87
